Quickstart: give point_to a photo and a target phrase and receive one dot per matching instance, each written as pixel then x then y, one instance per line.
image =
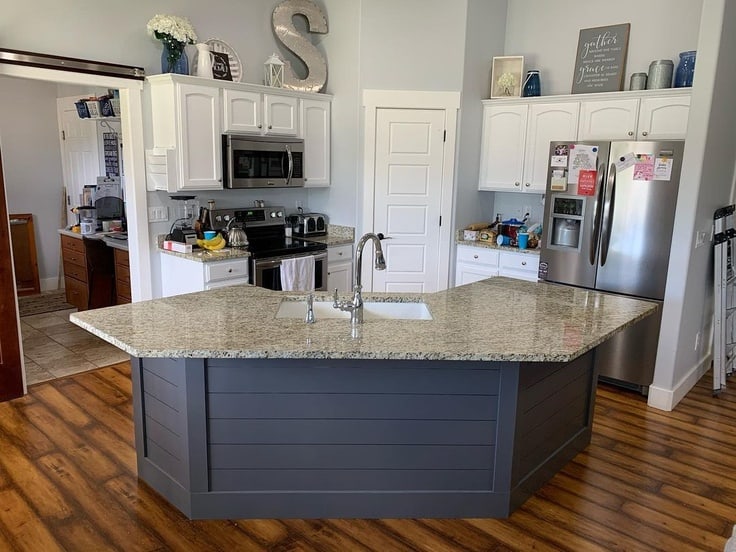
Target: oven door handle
pixel 276 261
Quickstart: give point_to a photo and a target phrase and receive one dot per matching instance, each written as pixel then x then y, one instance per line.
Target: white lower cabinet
pixel 340 268
pixel 522 266
pixel 478 263
pixel 475 263
pixel 180 275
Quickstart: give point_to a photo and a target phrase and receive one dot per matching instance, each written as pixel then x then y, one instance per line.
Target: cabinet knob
pixel 260 126
pixel 270 126
pixel 229 269
pixel 475 256
pixel 631 133
pixel 527 184
pixel 644 133
pixel 517 184
pixel 340 253
pixel 523 263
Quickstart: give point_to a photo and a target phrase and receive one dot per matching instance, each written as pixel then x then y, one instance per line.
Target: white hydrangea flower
pixel 172 27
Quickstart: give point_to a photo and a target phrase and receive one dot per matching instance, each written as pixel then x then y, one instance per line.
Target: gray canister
pixel 660 74
pixel 638 81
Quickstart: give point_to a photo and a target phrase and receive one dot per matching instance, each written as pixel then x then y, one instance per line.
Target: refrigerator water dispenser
pixel 566 221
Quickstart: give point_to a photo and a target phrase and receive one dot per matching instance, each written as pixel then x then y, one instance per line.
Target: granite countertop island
pixel 499 319
pixel 239 414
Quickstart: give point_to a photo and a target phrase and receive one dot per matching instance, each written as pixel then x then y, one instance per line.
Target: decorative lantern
pixel 274 72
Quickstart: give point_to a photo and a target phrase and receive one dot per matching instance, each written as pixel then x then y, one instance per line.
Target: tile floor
pixel 54 347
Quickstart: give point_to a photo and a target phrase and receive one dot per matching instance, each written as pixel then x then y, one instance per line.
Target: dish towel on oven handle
pixel 297 274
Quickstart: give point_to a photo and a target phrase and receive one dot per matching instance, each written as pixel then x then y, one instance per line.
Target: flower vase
pixel 173 63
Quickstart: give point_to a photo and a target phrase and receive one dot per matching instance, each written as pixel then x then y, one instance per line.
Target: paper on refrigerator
pixel 582 158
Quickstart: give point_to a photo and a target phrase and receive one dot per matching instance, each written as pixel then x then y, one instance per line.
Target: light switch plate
pixel 158 214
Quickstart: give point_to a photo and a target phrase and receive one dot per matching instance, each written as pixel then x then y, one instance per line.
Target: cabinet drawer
pixel 225 270
pixel 73 244
pixel 73 257
pixel 75 271
pixel 77 293
pixel 226 283
pixel 122 290
pixel 519 265
pixel 339 253
pixel 470 254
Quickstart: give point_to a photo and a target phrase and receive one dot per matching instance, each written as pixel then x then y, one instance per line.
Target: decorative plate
pixel 218 46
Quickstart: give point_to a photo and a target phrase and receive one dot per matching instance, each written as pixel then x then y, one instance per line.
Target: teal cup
pixel 523 239
pixel 209 234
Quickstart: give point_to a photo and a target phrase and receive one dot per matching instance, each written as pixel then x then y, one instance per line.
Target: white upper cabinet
pixel 280 115
pixel 517 131
pixel 651 117
pixel 190 114
pixel 242 111
pixel 515 143
pixel 314 126
pixel 547 123
pixel 664 118
pixel 186 123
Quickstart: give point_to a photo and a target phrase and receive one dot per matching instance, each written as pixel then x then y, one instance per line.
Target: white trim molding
pixel 667 399
pixel 449 102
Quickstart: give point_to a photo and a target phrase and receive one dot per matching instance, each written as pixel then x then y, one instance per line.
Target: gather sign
pixel 601 59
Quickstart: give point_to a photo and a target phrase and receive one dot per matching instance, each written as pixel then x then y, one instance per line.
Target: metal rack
pixel 724 280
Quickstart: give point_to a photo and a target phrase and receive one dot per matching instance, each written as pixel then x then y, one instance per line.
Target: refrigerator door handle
pixel 597 209
pixel 608 212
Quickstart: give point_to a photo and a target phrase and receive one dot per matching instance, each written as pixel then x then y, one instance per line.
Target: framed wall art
pixel 506 76
pixel 221 66
pixel 600 62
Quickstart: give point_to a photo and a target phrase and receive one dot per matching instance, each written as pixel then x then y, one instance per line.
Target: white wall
pixel 546 33
pixel 707 177
pixel 485 24
pixel 29 136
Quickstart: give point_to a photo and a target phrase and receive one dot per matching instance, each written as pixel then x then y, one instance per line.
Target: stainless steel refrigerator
pixel 608 219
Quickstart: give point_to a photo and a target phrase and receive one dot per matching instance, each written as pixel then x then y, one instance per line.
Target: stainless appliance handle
pixel 291 165
pixel 272 262
pixel 608 212
pixel 597 209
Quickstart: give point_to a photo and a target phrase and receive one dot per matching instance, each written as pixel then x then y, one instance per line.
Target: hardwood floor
pixel 650 480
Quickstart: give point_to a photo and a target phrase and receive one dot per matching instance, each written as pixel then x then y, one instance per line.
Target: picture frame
pixel 507 65
pixel 221 66
pixel 600 61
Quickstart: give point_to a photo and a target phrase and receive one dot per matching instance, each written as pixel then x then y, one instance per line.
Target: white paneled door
pixel 80 158
pixel 408 197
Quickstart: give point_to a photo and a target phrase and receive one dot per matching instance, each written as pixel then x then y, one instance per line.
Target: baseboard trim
pixel 49 284
pixel 667 399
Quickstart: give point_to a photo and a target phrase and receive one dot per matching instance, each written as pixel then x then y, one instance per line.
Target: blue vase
pixel 171 63
pixel 685 70
pixel 532 86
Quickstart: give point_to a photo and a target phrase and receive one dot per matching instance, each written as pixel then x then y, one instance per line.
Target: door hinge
pixel 63 135
pixel 444 136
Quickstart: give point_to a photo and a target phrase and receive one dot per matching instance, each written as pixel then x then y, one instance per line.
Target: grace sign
pixel 601 59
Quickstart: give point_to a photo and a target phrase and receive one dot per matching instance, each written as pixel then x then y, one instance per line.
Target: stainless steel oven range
pixel 268 245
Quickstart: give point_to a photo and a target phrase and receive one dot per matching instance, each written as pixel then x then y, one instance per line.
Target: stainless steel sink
pixel 371 310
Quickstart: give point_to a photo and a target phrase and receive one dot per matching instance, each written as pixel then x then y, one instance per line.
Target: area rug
pixel 48 301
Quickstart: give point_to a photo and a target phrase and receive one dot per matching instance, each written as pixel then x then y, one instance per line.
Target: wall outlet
pixel 158 214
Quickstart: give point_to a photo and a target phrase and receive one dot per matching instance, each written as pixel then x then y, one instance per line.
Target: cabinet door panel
pixel 664 118
pixel 242 111
pixel 502 148
pixel 340 276
pixel 547 123
pixel 280 115
pixel 199 118
pixel 315 130
pixel 608 119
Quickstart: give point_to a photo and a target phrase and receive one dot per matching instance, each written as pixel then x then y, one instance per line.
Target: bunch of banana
pixel 213 244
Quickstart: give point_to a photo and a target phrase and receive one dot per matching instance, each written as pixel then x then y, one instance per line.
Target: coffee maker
pixel 107 198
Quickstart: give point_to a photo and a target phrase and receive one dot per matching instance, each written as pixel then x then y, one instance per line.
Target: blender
pixel 186 212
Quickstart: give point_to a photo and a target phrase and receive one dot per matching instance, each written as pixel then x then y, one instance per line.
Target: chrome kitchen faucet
pixel 355 307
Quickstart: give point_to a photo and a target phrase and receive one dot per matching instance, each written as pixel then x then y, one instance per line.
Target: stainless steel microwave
pixel 262 161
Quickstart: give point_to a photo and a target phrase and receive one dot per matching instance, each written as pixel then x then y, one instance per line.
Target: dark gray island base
pixel 340 438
